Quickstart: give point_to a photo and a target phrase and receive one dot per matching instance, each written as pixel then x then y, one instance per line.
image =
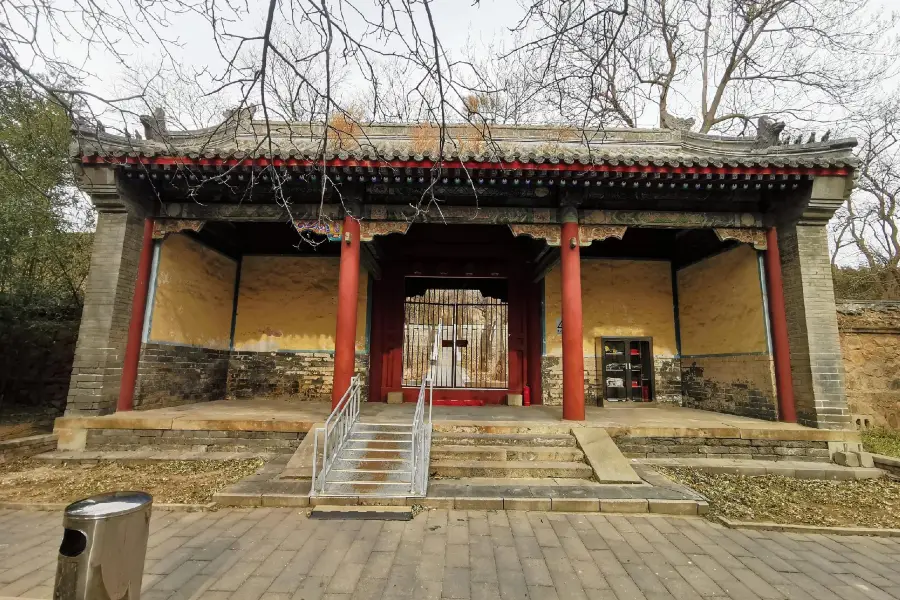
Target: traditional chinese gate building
pixel 591 267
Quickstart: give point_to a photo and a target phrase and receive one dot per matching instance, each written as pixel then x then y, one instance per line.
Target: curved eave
pixel 815 167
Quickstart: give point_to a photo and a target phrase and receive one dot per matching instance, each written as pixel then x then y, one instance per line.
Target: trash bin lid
pixel 110 504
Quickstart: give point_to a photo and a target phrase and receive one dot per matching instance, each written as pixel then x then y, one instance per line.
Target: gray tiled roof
pixel 531 144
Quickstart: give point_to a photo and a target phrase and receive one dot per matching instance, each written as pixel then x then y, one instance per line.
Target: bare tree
pixel 867 227
pixel 724 63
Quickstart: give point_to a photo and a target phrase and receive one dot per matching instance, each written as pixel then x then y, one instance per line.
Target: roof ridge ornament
pixel 670 121
pixel 768 132
pixel 155 125
pixel 240 116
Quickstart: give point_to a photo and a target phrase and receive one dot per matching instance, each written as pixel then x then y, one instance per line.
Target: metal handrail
pixel 420 446
pixel 337 430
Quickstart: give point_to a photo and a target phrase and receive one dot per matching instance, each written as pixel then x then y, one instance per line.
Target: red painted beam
pixel 136 325
pixel 348 297
pixel 778 318
pixel 572 324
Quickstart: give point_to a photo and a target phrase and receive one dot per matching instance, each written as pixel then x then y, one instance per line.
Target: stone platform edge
pixel 25 447
pixel 63 425
pixel 568 505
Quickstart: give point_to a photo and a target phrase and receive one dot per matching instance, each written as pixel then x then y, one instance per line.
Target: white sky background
pixel 190 41
pixel 459 25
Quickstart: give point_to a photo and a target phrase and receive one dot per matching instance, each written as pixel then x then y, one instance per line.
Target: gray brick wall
pixel 103 333
pixel 816 365
pixel 733 448
pixel 169 375
pixel 740 384
pixel 306 376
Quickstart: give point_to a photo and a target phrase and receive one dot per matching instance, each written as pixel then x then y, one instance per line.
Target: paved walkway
pixel 279 554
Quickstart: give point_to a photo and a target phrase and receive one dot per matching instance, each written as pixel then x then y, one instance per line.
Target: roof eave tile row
pixel 646 148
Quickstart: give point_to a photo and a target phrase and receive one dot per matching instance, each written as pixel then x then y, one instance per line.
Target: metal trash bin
pixel 101 556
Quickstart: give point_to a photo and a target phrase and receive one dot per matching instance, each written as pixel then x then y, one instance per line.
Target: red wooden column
pixel 778 319
pixel 572 336
pixel 348 297
pixel 136 325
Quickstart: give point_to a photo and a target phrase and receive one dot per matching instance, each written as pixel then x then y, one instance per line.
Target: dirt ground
pixel 185 482
pixel 773 498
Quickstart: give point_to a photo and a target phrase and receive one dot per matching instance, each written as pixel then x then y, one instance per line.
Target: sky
pixel 459 24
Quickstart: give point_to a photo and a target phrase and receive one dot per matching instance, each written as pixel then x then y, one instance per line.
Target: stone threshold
pixel 818 529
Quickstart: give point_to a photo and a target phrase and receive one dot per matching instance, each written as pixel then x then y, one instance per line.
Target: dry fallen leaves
pixel 865 503
pixel 182 481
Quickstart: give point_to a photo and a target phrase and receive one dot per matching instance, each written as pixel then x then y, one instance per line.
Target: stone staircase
pixel 375 461
pixel 507 456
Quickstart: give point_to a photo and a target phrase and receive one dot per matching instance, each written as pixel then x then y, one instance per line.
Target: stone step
pixel 505 439
pixel 370 513
pixel 366 464
pixel 509 469
pixel 379 489
pixel 380 436
pixel 336 475
pixel 361 444
pixel 508 453
pixel 395 427
pixel 377 453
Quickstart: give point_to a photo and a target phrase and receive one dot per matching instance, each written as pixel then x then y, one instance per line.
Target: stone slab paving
pixel 280 554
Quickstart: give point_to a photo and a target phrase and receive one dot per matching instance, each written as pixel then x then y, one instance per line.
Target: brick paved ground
pixel 278 554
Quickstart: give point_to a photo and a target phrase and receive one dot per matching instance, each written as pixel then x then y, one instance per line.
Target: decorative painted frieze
pixel 655 218
pixel 163 227
pixel 597 233
pixel 755 237
pixel 552 234
pixel 459 214
pixel 330 229
pixel 369 229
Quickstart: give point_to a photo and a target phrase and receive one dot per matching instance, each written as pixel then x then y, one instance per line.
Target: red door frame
pixel 386 341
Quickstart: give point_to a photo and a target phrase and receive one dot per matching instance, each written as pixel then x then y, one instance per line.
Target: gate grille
pixel 472 353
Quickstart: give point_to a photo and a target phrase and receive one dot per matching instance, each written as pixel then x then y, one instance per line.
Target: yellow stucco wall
pixel 194 294
pixel 290 303
pixel 721 306
pixel 619 298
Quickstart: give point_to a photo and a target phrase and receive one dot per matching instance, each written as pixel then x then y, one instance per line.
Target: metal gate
pixel 473 350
